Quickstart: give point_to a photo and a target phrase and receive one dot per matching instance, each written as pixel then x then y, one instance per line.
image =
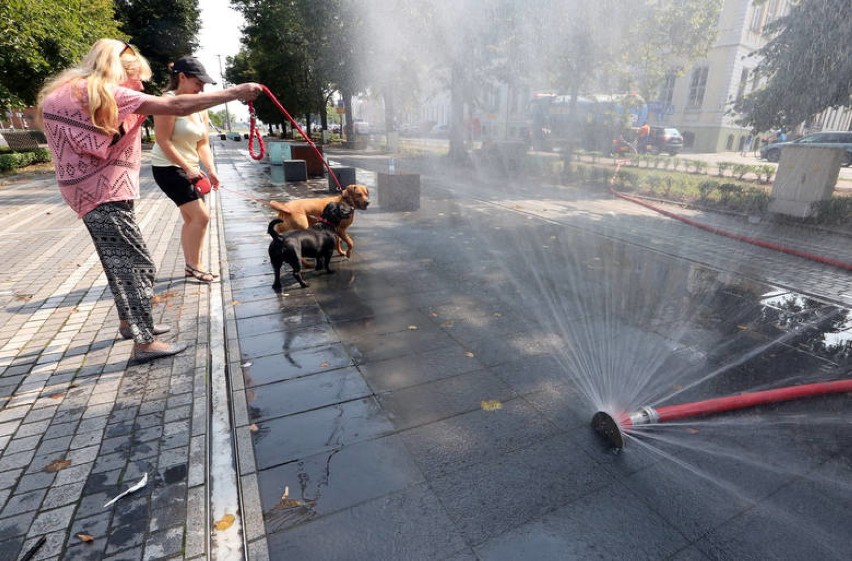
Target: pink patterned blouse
pixel 93 168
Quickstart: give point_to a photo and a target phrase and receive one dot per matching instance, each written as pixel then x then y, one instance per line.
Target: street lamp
pixel 227 114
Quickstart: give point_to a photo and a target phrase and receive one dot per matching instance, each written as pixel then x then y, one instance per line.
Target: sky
pixel 220 35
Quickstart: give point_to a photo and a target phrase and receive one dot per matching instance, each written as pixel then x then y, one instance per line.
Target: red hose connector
pixel 612 427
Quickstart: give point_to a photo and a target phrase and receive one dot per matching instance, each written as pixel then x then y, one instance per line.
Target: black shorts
pixel 174 183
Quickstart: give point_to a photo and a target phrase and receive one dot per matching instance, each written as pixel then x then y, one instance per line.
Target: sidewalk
pixel 77 425
pixel 419 403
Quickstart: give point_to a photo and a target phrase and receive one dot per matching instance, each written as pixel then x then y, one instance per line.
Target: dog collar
pixel 322 220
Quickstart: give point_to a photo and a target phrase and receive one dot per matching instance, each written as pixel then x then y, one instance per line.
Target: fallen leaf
pixel 490 405
pixel 412 328
pixel 468 354
pixel 253 427
pixel 57 465
pixel 498 315
pixel 742 327
pixel 225 522
pixel 85 538
pixel 324 364
pixel 58 395
pixel 434 314
pixel 235 302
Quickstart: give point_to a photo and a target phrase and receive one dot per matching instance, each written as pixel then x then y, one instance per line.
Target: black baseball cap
pixel 190 66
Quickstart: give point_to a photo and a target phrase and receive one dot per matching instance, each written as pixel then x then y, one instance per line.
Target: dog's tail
pixel 271 230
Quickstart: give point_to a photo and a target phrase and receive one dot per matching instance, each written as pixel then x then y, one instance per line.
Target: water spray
pixel 614 427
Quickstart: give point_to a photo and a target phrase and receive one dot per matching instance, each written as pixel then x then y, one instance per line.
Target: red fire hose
pixel 255 133
pixel 712 229
pixel 612 428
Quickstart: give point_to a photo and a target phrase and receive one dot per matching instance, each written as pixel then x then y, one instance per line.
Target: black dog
pixel 318 242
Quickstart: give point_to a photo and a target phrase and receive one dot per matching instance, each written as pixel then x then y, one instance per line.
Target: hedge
pixel 15 160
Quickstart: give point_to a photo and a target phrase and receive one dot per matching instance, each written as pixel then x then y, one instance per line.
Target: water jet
pixel 614 427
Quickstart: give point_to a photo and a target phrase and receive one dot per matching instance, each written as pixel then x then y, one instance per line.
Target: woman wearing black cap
pixel 182 147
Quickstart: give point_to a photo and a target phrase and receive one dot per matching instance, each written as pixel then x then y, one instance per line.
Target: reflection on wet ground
pixel 369 391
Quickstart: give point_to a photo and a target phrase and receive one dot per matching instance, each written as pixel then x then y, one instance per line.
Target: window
pixel 667 90
pixel 697 87
pixel 743 82
pixel 757 19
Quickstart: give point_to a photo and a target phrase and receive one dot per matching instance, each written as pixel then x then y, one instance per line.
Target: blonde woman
pixel 182 147
pixel 91 115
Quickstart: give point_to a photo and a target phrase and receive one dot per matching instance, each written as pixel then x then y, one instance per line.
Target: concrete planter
pixel 806 174
pixel 398 192
pixel 295 170
pixel 345 175
pixel 314 162
pixel 278 151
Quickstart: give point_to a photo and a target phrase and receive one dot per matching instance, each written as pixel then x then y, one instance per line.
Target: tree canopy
pixel 39 38
pixel 163 30
pixel 807 66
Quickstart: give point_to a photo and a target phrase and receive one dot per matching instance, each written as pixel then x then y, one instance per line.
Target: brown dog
pixel 300 214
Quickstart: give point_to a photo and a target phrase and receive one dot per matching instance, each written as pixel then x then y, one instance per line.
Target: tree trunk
pixel 458 154
pixel 348 126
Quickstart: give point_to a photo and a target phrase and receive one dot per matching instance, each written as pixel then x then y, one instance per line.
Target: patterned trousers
pixel 129 269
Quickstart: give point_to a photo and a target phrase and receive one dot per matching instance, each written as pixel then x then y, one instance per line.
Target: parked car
pixel 440 130
pixel 361 126
pixel 666 139
pixel 772 152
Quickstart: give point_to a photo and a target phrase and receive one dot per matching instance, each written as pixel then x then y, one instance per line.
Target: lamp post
pixel 227 114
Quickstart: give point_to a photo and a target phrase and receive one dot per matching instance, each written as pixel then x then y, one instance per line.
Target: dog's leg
pixel 297 270
pixel 326 260
pixel 348 239
pixel 276 269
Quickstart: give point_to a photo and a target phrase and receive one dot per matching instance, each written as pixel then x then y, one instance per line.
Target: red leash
pixel 255 133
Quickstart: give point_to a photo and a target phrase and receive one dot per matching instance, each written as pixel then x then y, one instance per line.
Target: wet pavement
pixel 432 398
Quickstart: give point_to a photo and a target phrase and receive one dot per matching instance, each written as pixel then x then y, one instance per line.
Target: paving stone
pixel 38 480
pixel 13 461
pixel 128 535
pixel 196 537
pixel 31 429
pixel 60 428
pixel 23 502
pixel 52 520
pixel 54 445
pixel 17 525
pixel 93 505
pixel 21 445
pixel 63 495
pixel 52 546
pixel 164 543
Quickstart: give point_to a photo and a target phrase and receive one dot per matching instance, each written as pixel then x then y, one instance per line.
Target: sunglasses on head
pixel 128 46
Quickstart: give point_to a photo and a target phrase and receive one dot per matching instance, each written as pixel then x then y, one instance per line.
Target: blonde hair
pixel 106 65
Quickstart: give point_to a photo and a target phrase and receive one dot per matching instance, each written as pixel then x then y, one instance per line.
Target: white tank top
pixel 185 138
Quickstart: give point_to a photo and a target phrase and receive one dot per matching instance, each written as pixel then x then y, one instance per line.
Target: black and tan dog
pixel 318 242
pixel 299 214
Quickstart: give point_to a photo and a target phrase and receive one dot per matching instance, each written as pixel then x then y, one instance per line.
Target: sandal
pixel 202 276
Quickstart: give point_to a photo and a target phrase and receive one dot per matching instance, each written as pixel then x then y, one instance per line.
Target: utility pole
pixel 227 114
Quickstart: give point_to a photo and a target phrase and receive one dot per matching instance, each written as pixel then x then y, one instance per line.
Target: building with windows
pixel 699 102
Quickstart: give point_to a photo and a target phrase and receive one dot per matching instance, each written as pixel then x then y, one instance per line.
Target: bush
pixel 15 160
pixel 627 179
pixel 706 188
pixel 728 190
pixel 836 210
